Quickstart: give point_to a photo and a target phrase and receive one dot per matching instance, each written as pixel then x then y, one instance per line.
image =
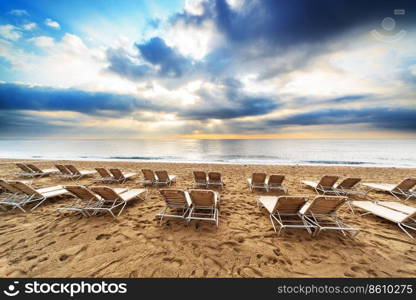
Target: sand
pixel 44 244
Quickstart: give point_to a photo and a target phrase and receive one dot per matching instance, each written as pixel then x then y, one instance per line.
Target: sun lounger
pixel 120 177
pixel 204 205
pixel 178 203
pixel 325 185
pixel 10 196
pixel 214 179
pixel 404 188
pixel 200 179
pixel 38 195
pixel 275 183
pixel 284 210
pixel 404 216
pixel 149 177
pixel 84 198
pixel 39 172
pixel 63 171
pixel 257 181
pixel 25 171
pixel 347 187
pixel 77 174
pixel 164 178
pixel 112 200
pixel 321 213
pixel 105 176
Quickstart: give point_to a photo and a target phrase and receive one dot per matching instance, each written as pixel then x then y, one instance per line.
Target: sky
pixel 207 69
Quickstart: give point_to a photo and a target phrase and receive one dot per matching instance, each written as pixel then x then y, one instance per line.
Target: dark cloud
pixel 121 63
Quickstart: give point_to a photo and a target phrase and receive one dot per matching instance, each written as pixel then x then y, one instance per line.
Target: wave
pixel 337 162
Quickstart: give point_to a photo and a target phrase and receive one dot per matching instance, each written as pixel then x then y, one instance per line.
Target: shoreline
pixel 44 244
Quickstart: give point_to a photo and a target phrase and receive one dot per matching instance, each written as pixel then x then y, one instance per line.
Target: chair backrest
pixel 73 169
pixel 8 187
pixel 81 192
pixel 26 189
pixel 328 181
pixel 276 180
pixel 162 176
pixel 25 168
pixel 106 192
pixel 63 169
pixel 117 173
pixel 214 177
pixel 258 178
pixel 289 204
pixel 175 197
pixel 34 168
pixel 148 175
pixel 348 183
pixel 200 177
pixel 325 205
pixel 202 197
pixel 104 173
pixel 406 185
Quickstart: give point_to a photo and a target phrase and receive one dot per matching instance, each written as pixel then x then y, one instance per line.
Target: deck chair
pixel 38 195
pixel 347 187
pixel 214 179
pixel 77 174
pixel 284 210
pixel 119 176
pixel 25 171
pixel 63 171
pixel 321 213
pixel 10 196
pixel 178 203
pixel 275 183
pixel 200 179
pixel 105 176
pixel 84 198
pixel 257 181
pixel 404 188
pixel 204 205
pixel 404 216
pixel 39 172
pixel 149 177
pixel 112 200
pixel 164 178
pixel 324 186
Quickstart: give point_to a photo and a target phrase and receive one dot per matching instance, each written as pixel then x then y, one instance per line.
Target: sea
pixel 351 152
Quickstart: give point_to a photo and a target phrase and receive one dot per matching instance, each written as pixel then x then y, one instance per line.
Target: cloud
pixel 42 41
pixel 19 12
pixel 10 32
pixel 29 26
pixel 52 23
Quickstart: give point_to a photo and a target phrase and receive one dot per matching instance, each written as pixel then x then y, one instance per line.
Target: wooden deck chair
pixel 25 171
pixel 200 179
pixel 63 171
pixel 284 212
pixel 40 172
pixel 321 212
pixel 257 181
pixel 205 205
pixel 11 196
pixel 38 195
pixel 177 204
pixel 404 216
pixel 275 182
pixel 120 177
pixel 111 200
pixel 347 187
pixel 404 188
pixel 105 176
pixel 164 178
pixel 214 179
pixel 324 186
pixel 149 177
pixel 77 174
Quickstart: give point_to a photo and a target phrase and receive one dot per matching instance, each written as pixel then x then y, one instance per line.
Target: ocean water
pixel 374 152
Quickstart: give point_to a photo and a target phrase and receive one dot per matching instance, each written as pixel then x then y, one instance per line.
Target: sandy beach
pixel 44 244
